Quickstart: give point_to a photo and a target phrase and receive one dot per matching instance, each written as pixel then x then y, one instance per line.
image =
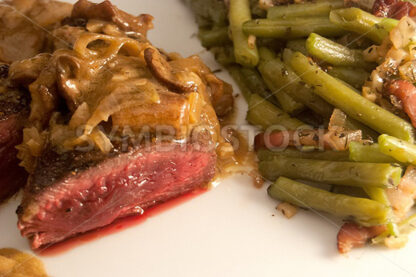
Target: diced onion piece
pixel 101 141
pixel 402 197
pixel 396 56
pixel 33 140
pixel 251 41
pixel 35 147
pixel 31 148
pixel 225 150
pixel 338 136
pixel 369 94
pixel 371 54
pixel 408 71
pixel 404 33
pixel 396 242
pixel 265 4
pixel 80 116
pixel 340 141
pixel 412 50
pixel 287 209
pixel 337 120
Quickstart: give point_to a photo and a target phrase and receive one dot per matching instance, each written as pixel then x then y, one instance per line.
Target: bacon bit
pixel 352 235
pixel 406 92
pixel 393 8
pixel 283 139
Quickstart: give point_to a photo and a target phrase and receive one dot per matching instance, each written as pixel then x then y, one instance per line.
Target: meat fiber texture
pixel 12 112
pixel 77 192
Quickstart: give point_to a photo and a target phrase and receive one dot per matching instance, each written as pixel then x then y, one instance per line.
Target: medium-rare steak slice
pixel 13 111
pixel 115 126
pixel 77 192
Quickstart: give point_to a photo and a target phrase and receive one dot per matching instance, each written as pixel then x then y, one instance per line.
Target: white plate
pixel 228 231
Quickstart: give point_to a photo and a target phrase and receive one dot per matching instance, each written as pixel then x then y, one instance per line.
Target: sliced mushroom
pixel 27 71
pixel 68 68
pixel 44 97
pixel 108 12
pixel 221 94
pixel 161 69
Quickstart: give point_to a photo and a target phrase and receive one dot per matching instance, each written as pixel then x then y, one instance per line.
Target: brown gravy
pixel 244 160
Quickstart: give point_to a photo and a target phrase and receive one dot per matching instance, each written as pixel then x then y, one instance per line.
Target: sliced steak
pixel 75 192
pixel 13 110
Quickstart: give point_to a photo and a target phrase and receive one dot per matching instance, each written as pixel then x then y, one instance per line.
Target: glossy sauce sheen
pixel 244 159
pixel 104 67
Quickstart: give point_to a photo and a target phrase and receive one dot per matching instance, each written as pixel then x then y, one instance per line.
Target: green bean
pixel 209 12
pixel 350 191
pixel 287 103
pixel 257 85
pixel 365 211
pixel 355 77
pixel 321 8
pixel 250 82
pixel 297 45
pixel 266 54
pixel 350 124
pixel 292 28
pixel 400 150
pixel 265 155
pixel 332 172
pixel 380 195
pixel 377 194
pixel 265 114
pixel 245 54
pixel 368 153
pixel 334 53
pixel 256 10
pixel 238 77
pixel 367 133
pixel 255 82
pixel 350 101
pixel 364 23
pixel 282 76
pixel 404 226
pixel 224 55
pixel 214 37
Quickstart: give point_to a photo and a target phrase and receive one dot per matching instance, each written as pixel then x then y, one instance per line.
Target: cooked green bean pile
pixel 305 71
